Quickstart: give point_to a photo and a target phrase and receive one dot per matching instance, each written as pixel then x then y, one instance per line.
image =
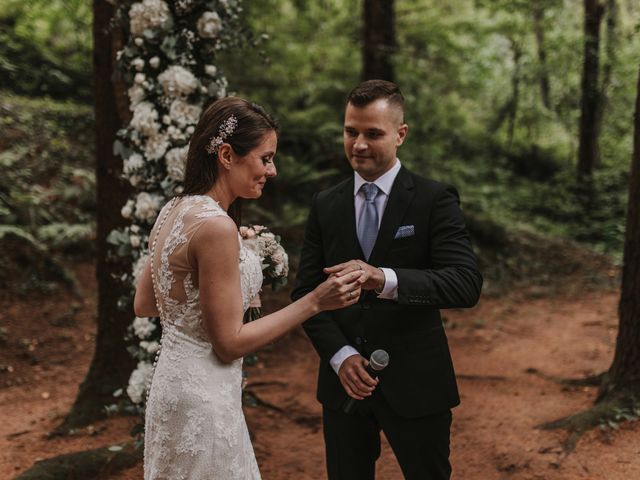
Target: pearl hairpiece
pixel 225 131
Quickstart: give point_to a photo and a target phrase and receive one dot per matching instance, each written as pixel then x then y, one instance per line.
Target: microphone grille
pixel 379 360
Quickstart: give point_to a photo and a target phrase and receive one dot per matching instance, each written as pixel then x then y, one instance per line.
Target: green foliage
pixel 45 47
pixel 46 191
pixel 470 72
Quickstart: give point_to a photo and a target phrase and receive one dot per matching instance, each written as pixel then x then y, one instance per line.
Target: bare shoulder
pixel 217 235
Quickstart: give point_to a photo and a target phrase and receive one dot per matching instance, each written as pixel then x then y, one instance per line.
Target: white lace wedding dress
pixel 194 426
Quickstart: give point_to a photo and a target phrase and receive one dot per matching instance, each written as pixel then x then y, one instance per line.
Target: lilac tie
pixel 368 224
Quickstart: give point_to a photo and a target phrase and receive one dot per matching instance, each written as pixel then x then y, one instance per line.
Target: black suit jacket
pixel 436 268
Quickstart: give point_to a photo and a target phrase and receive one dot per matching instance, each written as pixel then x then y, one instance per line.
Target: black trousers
pixel 352 441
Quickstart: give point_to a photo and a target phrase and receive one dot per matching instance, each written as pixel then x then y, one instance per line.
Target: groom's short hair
pixel 371 90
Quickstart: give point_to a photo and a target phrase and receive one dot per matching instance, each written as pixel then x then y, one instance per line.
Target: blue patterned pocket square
pixel 405 231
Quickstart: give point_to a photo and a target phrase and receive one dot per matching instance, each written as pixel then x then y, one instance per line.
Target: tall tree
pixel 538 8
pixel 111 364
pixel 379 39
pixel 623 379
pixel 588 149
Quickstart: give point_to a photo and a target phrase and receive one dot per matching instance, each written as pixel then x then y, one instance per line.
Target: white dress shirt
pixel 390 288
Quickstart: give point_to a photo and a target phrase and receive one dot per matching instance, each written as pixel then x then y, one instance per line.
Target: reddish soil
pixel 46 344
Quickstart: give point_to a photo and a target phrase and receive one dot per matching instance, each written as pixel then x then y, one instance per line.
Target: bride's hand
pixel 339 292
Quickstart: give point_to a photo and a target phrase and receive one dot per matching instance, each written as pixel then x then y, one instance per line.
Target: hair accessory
pixel 225 131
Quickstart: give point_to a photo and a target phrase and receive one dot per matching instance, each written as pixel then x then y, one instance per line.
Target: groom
pixel 408 235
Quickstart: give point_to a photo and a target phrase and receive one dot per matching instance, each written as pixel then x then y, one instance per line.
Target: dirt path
pixel 494 430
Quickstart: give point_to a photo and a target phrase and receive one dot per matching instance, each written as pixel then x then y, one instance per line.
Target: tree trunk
pixel 515 88
pixel 111 364
pixel 588 149
pixel 609 60
pixel 624 375
pixel 379 39
pixel 538 27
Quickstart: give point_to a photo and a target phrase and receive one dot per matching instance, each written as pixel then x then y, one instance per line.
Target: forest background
pixel 493 89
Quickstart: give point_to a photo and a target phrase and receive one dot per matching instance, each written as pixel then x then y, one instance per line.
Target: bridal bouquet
pixel 274 259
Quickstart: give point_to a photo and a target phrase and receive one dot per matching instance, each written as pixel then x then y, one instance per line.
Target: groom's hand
pixel 354 378
pixel 372 278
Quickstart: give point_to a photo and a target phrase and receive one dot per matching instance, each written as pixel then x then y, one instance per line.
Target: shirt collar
pixel 384 182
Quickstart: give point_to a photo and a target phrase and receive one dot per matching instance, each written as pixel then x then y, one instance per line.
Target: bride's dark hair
pixel 201 170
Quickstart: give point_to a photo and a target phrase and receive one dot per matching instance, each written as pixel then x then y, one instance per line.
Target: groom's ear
pixel 402 132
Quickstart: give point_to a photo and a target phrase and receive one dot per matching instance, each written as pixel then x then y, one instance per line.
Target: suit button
pixel 358 341
pixel 366 306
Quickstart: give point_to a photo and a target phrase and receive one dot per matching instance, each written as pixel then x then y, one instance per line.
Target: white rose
pixel 134 180
pixel 209 25
pixel 147 206
pixel 145 118
pixel 176 159
pixel 137 63
pixel 139 41
pixel 177 81
pixel 183 113
pixel 139 381
pixel 133 163
pixel 134 239
pixel 156 146
pixel 148 14
pixel 190 130
pixel 136 95
pixel 151 347
pixel 143 327
pixel 127 210
pixel 139 78
pixel 137 269
pixel 154 62
pixel 211 70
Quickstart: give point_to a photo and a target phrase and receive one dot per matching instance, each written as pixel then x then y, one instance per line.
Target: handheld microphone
pixel 378 361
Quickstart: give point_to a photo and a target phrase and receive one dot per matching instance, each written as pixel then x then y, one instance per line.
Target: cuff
pixel 341 355
pixel 390 289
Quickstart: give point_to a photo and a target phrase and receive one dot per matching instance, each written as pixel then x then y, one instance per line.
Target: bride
pixel 199 281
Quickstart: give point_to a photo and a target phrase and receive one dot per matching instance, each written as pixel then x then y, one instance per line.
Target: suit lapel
pixel 345 219
pixel 400 198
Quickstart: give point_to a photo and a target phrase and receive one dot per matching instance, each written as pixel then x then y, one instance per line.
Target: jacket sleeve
pixel 325 335
pixel 452 279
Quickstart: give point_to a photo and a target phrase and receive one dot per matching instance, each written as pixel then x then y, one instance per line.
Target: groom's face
pixel 372 135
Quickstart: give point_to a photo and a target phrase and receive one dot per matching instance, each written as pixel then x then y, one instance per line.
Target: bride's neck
pixel 222 194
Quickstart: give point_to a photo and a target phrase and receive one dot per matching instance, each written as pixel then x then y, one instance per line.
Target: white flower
pixel 137 63
pixel 139 78
pixel 134 180
pixel 176 159
pixel 147 206
pixel 133 163
pixel 134 239
pixel 138 267
pixel 136 95
pixel 211 70
pixel 127 210
pixel 139 41
pixel 177 81
pixel 151 347
pixel 156 146
pixel 154 62
pixel 148 14
pixel 183 113
pixel 145 118
pixel 190 130
pixel 139 381
pixel 143 327
pixel 209 25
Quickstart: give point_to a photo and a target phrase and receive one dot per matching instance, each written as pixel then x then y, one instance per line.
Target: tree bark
pixel 588 149
pixel 624 374
pixel 379 39
pixel 538 27
pixel 609 60
pixel 111 364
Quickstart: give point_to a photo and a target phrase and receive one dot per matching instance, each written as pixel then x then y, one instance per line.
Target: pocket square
pixel 405 231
